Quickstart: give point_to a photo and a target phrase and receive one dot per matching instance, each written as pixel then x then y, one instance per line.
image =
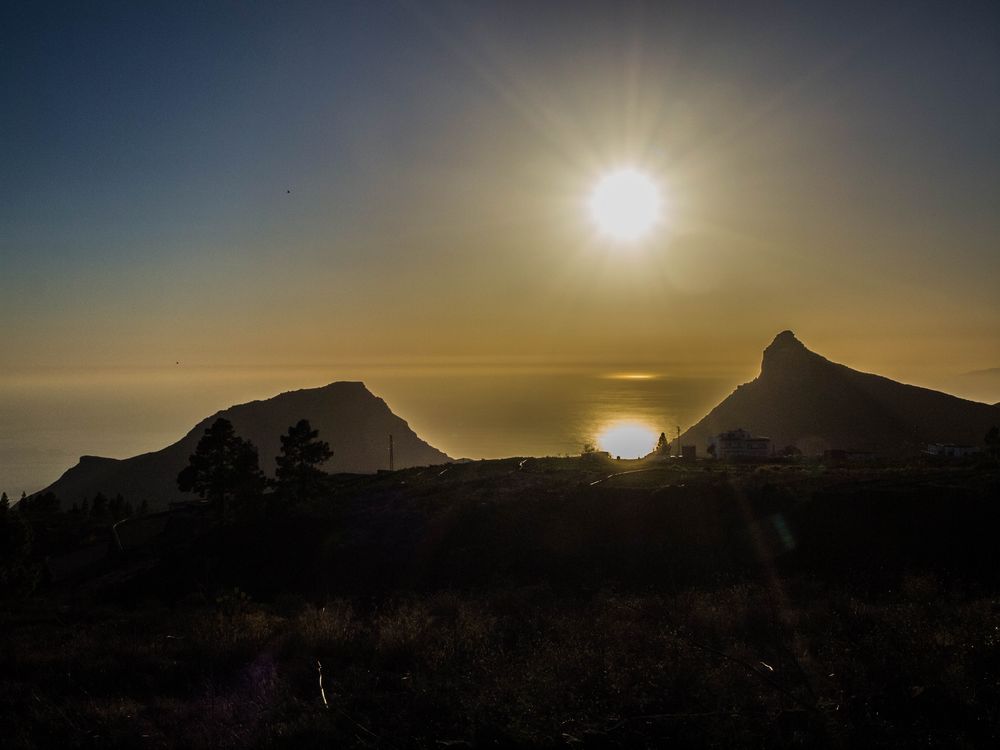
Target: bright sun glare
pixel 627 439
pixel 625 204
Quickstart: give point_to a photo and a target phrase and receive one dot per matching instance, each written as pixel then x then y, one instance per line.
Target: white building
pixel 739 444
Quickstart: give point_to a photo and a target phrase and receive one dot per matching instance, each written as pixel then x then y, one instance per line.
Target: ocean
pixel 50 417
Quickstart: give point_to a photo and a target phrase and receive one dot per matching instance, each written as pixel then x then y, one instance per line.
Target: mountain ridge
pixel 803 399
pixel 351 418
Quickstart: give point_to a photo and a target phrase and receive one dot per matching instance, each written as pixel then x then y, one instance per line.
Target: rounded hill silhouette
pixel 354 421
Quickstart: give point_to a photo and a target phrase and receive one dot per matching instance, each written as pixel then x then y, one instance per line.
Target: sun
pixel 625 204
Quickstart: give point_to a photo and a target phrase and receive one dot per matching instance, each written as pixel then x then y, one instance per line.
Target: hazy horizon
pixel 353 187
pixel 472 409
pixel 471 412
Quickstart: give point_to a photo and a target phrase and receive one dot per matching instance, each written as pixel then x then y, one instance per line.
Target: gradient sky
pixel 831 168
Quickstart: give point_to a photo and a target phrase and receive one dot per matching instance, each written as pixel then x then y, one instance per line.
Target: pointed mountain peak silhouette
pixel 787 352
pixel 801 398
pixel 785 339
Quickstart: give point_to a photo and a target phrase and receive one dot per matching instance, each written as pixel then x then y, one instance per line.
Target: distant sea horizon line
pixel 468 407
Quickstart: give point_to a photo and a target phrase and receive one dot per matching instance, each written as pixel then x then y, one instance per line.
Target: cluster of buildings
pixel 739 443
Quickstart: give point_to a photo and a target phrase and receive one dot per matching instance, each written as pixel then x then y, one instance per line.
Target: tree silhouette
pixel 298 473
pixel 18 576
pixel 42 505
pixel 224 469
pixel 663 445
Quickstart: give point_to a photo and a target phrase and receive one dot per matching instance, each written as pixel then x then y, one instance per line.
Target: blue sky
pixel 833 168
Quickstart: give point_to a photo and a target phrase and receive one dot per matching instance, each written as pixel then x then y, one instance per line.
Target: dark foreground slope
pixel 494 524
pixel 546 603
pixel 803 399
pixel 539 604
pixel 355 423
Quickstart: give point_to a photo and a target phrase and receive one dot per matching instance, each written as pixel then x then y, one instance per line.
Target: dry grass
pixel 521 666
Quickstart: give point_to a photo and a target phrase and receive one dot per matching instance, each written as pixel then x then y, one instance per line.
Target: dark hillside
pixel 489 525
pixel 803 399
pixel 355 423
pixel 537 604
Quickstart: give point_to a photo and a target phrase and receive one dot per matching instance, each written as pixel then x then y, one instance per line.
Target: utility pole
pixel 392 465
pixel 678 441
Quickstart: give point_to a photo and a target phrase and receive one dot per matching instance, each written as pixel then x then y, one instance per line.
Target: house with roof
pixel 739 443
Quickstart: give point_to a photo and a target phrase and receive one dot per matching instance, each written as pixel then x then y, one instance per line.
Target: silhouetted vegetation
pixel 38 506
pixel 103 510
pixel 298 476
pixel 539 602
pixel 663 445
pixel 225 470
pixel 18 576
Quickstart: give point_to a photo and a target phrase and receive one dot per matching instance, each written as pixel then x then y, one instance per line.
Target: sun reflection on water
pixel 627 438
pixel 630 376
